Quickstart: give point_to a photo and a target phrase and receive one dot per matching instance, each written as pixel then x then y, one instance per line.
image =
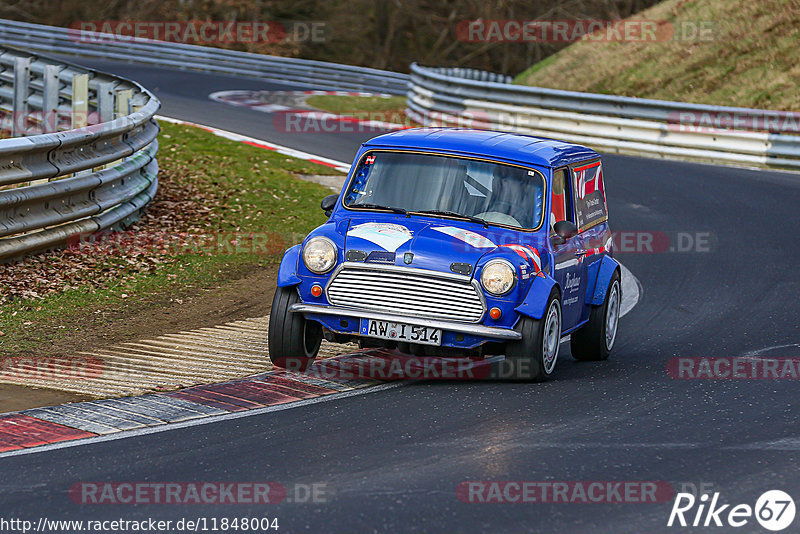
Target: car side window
pixel 562 203
pixel 590 199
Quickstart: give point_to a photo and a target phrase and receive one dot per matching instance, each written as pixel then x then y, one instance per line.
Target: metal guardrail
pixel 612 124
pixel 82 153
pixel 317 74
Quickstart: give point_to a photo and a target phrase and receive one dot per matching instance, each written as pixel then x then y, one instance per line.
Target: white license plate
pixel 401 332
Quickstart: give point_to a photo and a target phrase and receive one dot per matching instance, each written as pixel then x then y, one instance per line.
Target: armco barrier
pixel 612 124
pixel 318 74
pixel 459 96
pixel 81 156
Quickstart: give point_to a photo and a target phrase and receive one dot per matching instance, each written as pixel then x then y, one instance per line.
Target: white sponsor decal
pixel 572 283
pixel 565 264
pixel 468 237
pixel 388 236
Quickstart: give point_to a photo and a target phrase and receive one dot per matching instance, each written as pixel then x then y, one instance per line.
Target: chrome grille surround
pixel 407 291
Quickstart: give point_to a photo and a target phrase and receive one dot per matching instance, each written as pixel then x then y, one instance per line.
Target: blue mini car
pixel 455 242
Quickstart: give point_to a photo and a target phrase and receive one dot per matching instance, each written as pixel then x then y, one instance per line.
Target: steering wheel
pixel 499 218
pixel 501 206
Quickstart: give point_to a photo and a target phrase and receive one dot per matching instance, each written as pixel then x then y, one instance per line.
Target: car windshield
pixel 494 192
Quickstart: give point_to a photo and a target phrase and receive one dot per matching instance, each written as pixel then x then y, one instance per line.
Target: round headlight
pixel 319 255
pixel 498 277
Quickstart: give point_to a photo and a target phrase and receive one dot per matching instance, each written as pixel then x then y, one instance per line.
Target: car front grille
pixel 407 291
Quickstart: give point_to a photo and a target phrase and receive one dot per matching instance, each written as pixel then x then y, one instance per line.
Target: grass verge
pixel 387 109
pixel 710 52
pixel 223 210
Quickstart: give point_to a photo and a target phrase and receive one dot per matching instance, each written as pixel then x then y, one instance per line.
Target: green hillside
pixel 727 52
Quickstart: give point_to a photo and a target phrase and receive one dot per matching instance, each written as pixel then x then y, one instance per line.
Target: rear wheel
pixel 293 340
pixel 594 341
pixel 533 358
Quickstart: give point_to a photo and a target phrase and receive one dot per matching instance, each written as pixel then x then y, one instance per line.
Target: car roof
pixel 526 149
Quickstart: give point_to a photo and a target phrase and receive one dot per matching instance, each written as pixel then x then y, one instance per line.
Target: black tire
pixel 533 358
pixel 293 341
pixel 594 341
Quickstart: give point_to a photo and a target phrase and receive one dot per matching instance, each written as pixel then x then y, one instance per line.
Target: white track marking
pixel 198 422
pixel 286 151
pixel 294 103
pixel 149 370
pixel 631 291
pixel 206 355
pixel 176 360
pixel 784 444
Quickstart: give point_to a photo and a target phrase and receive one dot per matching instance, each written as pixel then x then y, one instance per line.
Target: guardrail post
pixel 105 108
pixel 80 106
pixel 49 121
pixel 124 102
pixel 43 92
pixel 80 101
pixel 50 117
pixel 19 111
pixel 123 108
pixel 105 101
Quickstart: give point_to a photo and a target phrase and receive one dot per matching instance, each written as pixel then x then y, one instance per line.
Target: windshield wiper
pixel 455 214
pixel 379 207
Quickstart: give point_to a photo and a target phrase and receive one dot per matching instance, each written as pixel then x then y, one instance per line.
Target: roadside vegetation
pixel 223 210
pixel 360 105
pixel 366 108
pixel 382 34
pixel 720 52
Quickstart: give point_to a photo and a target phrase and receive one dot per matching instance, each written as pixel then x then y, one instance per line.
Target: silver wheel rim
pixel 612 315
pixel 552 337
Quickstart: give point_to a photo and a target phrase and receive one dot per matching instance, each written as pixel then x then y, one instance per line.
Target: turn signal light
pixel 495 313
pixel 316 290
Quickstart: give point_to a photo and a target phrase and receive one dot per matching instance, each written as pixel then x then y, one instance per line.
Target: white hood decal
pixel 468 237
pixel 388 236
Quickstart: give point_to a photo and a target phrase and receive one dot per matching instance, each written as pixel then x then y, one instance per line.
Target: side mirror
pixel 564 230
pixel 328 204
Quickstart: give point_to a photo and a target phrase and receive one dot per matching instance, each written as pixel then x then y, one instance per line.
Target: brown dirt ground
pixel 249 295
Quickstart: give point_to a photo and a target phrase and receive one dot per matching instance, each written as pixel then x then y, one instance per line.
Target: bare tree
pixel 378 33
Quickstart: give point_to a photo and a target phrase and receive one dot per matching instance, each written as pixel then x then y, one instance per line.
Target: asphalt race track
pixel 392 458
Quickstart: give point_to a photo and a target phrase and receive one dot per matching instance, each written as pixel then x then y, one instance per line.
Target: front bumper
pixel 503 334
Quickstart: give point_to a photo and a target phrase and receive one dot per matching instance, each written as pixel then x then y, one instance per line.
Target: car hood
pixel 430 242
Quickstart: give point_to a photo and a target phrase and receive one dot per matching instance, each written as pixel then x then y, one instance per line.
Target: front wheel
pixel 293 341
pixel 533 358
pixel 594 341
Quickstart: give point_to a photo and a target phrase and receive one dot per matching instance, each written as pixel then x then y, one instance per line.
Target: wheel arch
pixel 535 303
pixel 287 272
pixel 599 275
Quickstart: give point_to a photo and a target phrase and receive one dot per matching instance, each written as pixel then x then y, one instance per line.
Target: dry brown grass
pixel 752 58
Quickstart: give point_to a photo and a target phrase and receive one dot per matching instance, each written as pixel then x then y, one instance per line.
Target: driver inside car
pixel 509 203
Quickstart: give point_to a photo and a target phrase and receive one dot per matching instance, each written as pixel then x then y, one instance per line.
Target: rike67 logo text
pixel 774 510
